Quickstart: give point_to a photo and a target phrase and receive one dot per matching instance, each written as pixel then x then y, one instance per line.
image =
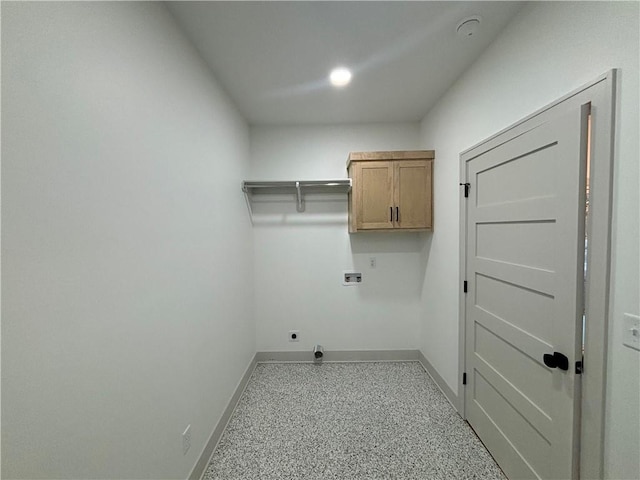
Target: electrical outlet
pixel 186 440
pixel 372 262
pixel 294 335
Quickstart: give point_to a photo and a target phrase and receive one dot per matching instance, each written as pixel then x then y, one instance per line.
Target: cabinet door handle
pixel 391 214
pixel 397 214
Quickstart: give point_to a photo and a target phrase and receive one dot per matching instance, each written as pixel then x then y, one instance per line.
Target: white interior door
pixel 524 261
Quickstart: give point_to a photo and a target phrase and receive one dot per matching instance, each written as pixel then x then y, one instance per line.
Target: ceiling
pixel 273 58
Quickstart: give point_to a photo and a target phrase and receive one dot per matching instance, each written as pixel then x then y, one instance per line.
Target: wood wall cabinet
pixel 391 191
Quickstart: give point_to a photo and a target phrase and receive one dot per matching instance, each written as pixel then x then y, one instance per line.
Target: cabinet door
pixel 412 194
pixel 374 195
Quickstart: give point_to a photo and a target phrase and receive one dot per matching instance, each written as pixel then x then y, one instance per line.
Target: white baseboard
pixel 439 381
pixel 201 465
pixel 340 356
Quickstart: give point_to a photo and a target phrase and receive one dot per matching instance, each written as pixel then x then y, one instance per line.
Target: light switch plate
pixel 631 337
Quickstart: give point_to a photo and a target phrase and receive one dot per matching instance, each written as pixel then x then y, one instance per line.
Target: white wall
pixel 126 245
pixel 300 257
pixel 549 49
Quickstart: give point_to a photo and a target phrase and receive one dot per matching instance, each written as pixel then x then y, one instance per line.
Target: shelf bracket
pixel 299 198
pixel 247 198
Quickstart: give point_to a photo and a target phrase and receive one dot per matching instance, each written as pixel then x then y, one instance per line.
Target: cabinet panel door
pixel 374 195
pixel 413 198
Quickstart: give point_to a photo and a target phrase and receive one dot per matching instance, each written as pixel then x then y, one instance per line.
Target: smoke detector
pixel 467 27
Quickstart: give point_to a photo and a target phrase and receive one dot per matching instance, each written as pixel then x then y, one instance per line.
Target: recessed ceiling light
pixel 339 77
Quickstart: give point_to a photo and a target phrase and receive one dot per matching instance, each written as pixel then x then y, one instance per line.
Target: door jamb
pixel 601 93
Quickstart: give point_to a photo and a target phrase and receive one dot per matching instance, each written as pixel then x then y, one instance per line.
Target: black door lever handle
pixel 556 360
pixel 549 360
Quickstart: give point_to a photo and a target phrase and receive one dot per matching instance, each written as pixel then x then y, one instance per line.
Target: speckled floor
pixel 347 421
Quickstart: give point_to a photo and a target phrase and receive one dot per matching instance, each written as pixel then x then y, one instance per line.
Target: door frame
pixel 601 94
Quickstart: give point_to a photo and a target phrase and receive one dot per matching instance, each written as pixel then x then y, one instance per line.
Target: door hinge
pixel 464 286
pixel 580 367
pixel 464 378
pixel 467 187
